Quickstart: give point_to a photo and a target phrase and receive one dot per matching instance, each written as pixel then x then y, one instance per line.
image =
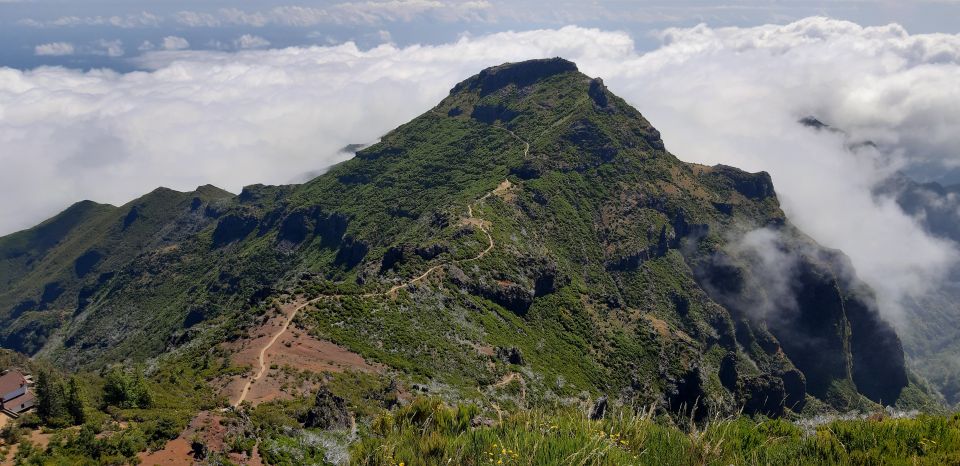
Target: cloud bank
pixel 728 95
pixel 130 21
pixel 362 12
pixel 54 49
pixel 367 12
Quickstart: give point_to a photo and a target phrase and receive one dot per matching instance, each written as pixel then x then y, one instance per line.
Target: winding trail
pixel 262 358
pixel 526 148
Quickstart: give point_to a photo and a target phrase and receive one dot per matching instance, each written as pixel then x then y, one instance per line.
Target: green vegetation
pixel 427 432
pixel 107 418
pixel 125 389
pixel 59 404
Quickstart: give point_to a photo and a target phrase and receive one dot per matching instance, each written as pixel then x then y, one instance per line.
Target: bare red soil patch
pixel 206 427
pixel 293 351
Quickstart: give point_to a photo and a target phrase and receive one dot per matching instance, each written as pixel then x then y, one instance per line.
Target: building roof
pixel 20 403
pixel 11 381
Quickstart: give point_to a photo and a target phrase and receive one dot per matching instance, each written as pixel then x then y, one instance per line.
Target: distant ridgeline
pixel 616 268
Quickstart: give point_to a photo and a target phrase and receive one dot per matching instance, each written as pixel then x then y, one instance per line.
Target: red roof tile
pixel 11 381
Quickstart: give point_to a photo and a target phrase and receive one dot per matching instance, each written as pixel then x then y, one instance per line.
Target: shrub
pixel 158 431
pixel 126 389
pixel 30 420
pixel 10 434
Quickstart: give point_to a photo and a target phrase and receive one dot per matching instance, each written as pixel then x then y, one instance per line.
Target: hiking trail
pixel 480 223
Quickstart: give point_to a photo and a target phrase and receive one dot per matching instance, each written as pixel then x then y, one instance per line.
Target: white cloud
pixel 532 12
pixel 174 43
pixel 196 19
pixel 774 272
pixel 54 49
pixel 718 96
pixel 29 22
pixel 248 41
pixel 137 20
pixel 110 48
pixel 407 10
pixel 364 12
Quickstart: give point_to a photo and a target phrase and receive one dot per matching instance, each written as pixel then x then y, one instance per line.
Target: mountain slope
pixel 610 266
pixel 931 322
pixel 50 271
pixel 931 338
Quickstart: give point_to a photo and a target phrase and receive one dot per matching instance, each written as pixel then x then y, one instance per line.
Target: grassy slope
pixel 429 433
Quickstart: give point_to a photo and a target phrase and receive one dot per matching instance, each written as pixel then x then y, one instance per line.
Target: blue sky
pixel 99 33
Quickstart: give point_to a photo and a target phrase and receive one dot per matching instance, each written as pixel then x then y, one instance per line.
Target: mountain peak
pixel 530 199
pixel 520 73
pixel 570 121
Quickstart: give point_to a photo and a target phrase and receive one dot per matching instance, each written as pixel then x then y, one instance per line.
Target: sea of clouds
pixel 718 95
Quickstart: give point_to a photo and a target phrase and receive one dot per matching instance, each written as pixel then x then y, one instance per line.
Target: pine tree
pixel 43 395
pixel 50 400
pixel 75 402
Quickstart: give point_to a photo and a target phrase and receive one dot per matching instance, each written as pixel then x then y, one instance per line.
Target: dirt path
pixel 261 359
pixel 39 439
pixel 507 379
pixel 502 188
pixel 420 277
pixel 510 378
pixel 483 228
pixel 526 148
pixel 209 428
pixel 263 351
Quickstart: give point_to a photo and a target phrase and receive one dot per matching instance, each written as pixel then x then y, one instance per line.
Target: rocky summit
pixel 528 242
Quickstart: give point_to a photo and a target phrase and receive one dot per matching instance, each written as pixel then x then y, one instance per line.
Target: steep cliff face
pixel 544 217
pixel 824 320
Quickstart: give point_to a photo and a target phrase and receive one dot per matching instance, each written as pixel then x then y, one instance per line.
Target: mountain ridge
pixel 616 269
